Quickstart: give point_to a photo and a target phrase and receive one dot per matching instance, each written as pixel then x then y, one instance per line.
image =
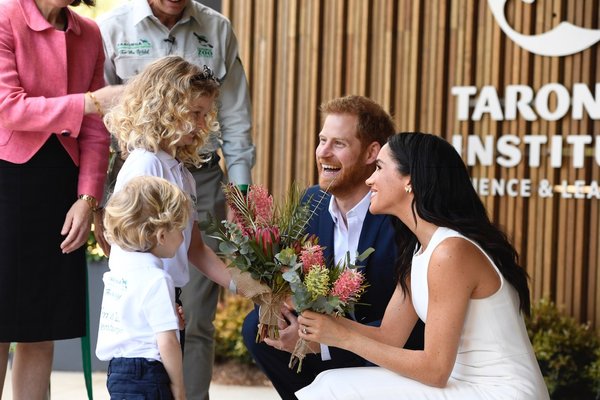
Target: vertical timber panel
pixel 407 55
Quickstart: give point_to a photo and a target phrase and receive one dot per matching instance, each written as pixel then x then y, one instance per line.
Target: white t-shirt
pixel 138 302
pixel 145 163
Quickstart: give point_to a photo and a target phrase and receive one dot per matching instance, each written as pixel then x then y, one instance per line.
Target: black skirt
pixel 42 290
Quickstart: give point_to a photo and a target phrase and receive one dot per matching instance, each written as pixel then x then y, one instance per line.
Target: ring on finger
pixel 304 331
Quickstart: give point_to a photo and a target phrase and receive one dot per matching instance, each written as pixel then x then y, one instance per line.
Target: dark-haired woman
pixel 458 273
pixel 53 160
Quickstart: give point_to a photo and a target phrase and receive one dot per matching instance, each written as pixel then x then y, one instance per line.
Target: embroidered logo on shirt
pixel 205 48
pixel 140 48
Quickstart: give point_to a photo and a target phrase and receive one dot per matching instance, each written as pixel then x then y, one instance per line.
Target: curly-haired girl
pixel 163 118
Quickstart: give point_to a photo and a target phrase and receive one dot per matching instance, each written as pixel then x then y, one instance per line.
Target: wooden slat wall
pixel 406 55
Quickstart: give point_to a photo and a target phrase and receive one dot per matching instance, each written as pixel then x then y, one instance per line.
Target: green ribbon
pixel 86 357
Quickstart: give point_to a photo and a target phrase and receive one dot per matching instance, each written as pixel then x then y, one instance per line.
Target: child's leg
pixel 130 377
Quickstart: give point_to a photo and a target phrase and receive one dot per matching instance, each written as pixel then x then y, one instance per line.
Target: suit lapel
pixel 369 232
pixel 326 234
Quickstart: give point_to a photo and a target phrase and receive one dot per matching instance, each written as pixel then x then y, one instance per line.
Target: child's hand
pixel 170 353
pixel 178 393
pixel 181 317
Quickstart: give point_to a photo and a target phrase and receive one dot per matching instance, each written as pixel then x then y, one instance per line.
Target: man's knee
pixel 249 331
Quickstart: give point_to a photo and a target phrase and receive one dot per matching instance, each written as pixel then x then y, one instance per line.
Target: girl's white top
pixel 161 164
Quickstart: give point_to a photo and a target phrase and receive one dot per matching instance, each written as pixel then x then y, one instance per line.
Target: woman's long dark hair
pixel 444 196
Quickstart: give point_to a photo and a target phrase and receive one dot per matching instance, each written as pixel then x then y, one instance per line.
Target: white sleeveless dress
pixel 495 359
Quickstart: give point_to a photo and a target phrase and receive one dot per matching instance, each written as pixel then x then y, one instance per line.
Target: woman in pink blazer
pixel 53 160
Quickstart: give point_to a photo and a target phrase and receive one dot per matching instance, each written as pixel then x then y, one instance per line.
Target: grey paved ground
pixel 71 386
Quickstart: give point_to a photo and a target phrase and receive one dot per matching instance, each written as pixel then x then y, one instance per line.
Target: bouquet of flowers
pixel 253 242
pixel 315 287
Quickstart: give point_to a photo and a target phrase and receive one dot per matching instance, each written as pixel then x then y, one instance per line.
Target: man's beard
pixel 347 181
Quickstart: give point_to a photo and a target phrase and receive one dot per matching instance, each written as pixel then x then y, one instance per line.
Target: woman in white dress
pixel 457 272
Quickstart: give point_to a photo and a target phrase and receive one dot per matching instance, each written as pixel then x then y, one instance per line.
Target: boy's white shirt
pixel 138 302
pixel 161 164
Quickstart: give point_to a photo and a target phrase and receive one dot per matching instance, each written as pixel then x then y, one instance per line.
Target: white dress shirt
pixel 345 237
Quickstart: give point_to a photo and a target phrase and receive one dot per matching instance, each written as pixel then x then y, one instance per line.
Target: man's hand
pixel 288 333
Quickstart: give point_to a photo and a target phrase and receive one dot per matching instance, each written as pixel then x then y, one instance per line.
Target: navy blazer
pixel 378 233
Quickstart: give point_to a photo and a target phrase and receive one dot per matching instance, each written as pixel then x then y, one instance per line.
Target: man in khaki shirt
pixel 140 32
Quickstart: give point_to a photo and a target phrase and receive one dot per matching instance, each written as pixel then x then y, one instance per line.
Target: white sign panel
pixel 563 40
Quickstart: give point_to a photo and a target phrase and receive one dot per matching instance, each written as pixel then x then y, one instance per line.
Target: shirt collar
pixel 36 21
pixel 359 210
pixel 187 180
pixel 167 159
pixel 141 10
pixel 120 258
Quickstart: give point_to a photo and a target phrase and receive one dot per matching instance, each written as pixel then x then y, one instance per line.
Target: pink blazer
pixel 44 74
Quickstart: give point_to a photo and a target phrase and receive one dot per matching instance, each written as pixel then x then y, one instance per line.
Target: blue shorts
pixel 138 379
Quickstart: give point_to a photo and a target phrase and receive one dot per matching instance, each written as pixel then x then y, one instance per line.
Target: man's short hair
pixel 374 123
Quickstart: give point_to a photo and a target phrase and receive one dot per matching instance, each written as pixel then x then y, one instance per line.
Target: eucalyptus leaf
pixel 227 248
pixel 362 256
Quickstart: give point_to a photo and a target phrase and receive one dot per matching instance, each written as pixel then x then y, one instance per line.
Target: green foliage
pixel 293 215
pixel 231 312
pixel 568 353
pixel 260 231
pixel 593 373
pixel 313 289
pixel 93 252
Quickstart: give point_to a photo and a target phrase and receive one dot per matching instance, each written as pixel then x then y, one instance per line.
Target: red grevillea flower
pixel 348 285
pixel 311 255
pixel 239 221
pixel 261 204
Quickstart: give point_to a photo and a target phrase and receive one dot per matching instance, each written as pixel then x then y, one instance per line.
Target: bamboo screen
pixel 407 55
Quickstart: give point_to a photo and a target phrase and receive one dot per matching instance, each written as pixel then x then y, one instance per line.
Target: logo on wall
pixel 563 40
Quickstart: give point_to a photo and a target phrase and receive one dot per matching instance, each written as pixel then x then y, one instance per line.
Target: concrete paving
pixel 71 386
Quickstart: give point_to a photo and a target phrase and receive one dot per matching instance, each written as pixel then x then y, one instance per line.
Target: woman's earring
pixel 408 188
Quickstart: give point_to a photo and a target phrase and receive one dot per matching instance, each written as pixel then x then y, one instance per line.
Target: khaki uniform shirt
pixel 133 37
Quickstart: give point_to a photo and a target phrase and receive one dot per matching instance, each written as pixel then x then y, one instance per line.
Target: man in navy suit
pixel 354 129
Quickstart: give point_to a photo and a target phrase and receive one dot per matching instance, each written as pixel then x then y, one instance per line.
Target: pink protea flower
pixel 261 204
pixel 311 255
pixel 348 285
pixel 266 237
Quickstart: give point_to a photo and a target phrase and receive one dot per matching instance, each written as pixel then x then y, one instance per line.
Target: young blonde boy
pixel 139 325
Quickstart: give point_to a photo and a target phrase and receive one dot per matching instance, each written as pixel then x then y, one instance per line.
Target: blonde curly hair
pixel 154 111
pixel 146 204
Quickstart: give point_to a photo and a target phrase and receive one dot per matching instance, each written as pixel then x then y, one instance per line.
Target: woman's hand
pixel 76 227
pixel 102 100
pixel 325 329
